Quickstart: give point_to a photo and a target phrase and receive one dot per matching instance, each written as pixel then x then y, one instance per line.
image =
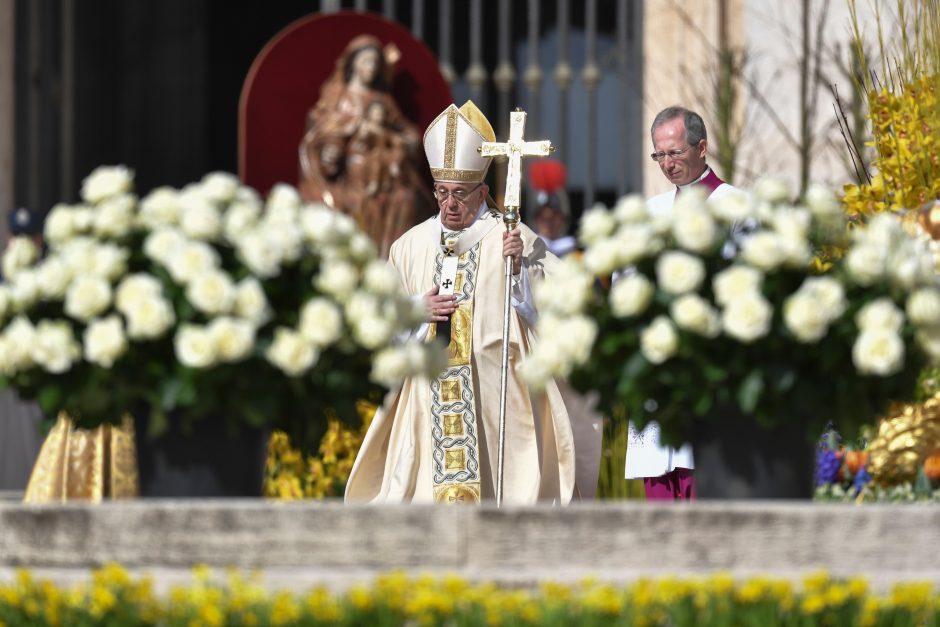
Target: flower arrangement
pixel 705 314
pixel 113 597
pixel 203 300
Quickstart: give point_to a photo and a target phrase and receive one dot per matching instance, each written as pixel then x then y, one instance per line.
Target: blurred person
pixel 551 218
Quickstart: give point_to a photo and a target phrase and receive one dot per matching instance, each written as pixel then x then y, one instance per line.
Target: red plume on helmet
pixel 547 175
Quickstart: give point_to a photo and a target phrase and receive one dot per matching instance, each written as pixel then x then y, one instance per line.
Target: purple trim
pixel 711 182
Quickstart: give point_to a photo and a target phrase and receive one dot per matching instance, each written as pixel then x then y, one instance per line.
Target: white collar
pixel 696 181
pixel 470 236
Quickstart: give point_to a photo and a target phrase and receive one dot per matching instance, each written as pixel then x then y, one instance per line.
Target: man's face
pixel 684 168
pixel 549 222
pixel 457 215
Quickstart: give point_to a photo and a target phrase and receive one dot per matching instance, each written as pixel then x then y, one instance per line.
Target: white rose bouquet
pixel 726 304
pixel 204 300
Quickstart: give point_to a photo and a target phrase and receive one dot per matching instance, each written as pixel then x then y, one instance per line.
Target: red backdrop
pixel 284 83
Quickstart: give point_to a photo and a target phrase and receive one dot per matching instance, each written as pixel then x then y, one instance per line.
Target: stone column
pixel 7 120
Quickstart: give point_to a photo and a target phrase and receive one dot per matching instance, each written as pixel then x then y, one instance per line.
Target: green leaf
pixel 750 391
pixel 50 399
pixel 158 423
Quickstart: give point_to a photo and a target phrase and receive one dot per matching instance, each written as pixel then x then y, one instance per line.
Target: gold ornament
pixel 905 438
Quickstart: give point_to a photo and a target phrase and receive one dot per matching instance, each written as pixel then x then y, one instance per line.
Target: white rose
pixel 283 196
pixel 878 352
pixel 321 322
pixel 53 277
pixel 105 341
pixel 318 223
pixel 361 305
pixel 884 231
pixel 373 331
pixel 772 190
pixel 695 230
pixel 659 341
pixel 160 208
pixel 425 359
pixel 109 261
pixel 290 352
pixel 747 317
pixel 163 244
pixel 763 250
pixel 603 257
pixel 575 338
pixel 361 248
pixel 220 187
pixel 83 218
pixel 58 226
pixel 828 295
pixel 21 252
pixel 149 319
pixel 631 209
pixel 796 251
pixel 390 366
pixel 678 272
pixel 115 216
pixel 87 297
pixel 251 304
pixel 805 318
pixel 234 339
pixel 199 217
pixel 634 242
pixel 20 336
pixel 381 278
pixel 542 364
pixel 880 313
pixel 285 237
pixel 191 260
pixel 693 313
pixel 338 279
pixel 923 307
pixel 567 291
pixel 792 222
pixel 240 219
pixel 260 253
pixel 54 347
pixel 195 347
pixel 822 201
pixel 929 341
pixel 105 182
pixel 631 295
pixel 904 267
pixel 731 207
pixel 596 224
pixel 211 292
pixel 134 289
pixel 24 289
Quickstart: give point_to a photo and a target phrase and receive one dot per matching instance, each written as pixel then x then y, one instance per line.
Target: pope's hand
pixel 439 307
pixel 512 247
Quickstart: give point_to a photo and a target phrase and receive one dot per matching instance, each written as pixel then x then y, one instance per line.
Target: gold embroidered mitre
pixel 452 141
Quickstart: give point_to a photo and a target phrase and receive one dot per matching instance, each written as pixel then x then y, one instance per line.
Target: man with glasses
pixel 437 440
pixel 680 145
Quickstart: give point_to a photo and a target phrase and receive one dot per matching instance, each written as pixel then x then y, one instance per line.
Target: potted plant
pixel 203 311
pixel 730 342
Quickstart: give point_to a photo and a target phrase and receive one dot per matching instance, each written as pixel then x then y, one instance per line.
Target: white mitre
pixel 452 144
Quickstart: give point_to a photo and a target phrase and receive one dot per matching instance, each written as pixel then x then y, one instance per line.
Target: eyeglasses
pixel 459 195
pixel 672 154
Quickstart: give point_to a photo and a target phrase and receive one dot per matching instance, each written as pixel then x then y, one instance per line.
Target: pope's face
pixel 459 214
pixel 684 168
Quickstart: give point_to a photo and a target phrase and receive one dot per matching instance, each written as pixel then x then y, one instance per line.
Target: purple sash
pixel 711 182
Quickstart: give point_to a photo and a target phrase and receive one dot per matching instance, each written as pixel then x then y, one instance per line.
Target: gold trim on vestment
pixel 455 452
pixel 450 138
pixel 451 174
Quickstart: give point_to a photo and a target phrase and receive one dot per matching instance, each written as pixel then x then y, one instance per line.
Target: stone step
pixel 300 544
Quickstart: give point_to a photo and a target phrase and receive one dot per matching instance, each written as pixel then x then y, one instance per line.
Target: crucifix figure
pixel 516 148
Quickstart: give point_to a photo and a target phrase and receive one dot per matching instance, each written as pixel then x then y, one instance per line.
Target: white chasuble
pixel 437 440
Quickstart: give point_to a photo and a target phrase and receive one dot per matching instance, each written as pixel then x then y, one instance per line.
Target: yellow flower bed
pixel 290 476
pixel 113 597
